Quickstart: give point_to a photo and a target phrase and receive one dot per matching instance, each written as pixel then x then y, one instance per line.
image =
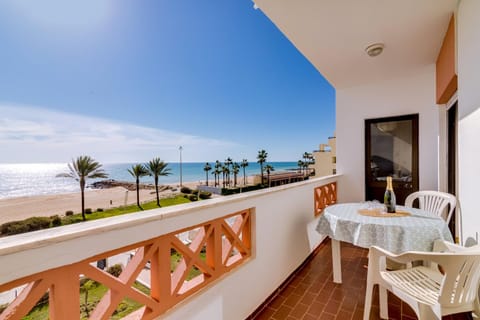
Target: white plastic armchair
pixel 434 202
pixel 430 292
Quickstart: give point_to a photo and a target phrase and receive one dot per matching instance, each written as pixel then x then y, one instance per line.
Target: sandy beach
pixel 24 207
pixel 12 209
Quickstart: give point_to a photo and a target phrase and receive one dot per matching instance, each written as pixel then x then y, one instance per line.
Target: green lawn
pixel 38 223
pixel 175 258
pixel 124 210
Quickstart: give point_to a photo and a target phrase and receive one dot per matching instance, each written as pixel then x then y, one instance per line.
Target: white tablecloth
pixel 416 232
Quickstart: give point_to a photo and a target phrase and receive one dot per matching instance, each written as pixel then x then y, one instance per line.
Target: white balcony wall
pixel 468 67
pixel 284 235
pixel 409 95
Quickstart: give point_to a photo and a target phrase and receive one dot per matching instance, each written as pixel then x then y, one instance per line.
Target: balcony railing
pixel 225 247
pixel 324 196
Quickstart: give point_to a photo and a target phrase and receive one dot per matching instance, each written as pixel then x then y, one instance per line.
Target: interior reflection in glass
pixel 391 153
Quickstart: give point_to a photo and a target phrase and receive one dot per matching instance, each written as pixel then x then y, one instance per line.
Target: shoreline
pixel 20 208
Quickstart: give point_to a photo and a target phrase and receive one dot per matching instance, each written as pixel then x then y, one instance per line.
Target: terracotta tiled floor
pixel 312 294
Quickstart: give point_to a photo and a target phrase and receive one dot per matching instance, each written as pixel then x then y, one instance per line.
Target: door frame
pixel 450 170
pixel 415 149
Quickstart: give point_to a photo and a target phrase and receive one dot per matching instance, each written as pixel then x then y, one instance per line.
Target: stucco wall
pixel 415 94
pixel 468 64
pixel 323 163
pixel 284 236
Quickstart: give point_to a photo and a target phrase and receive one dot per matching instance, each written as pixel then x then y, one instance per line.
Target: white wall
pixel 285 236
pixel 415 94
pixel 468 62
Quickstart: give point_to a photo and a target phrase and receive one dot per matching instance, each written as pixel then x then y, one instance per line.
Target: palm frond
pixel 157 167
pixel 81 168
pixel 84 167
pixel 138 170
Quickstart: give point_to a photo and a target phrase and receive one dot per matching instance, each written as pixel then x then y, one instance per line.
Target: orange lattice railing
pixel 204 253
pixel 324 196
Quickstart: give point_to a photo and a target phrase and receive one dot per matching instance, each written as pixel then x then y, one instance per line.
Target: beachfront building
pixel 325 159
pixel 279 178
pixel 416 84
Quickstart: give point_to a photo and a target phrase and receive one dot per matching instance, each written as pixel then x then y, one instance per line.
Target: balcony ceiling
pixel 333 35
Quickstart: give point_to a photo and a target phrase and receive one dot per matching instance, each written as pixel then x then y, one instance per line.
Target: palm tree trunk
pixel 156 190
pixel 82 192
pixel 206 176
pixel 244 178
pixel 83 205
pixel 138 192
pixel 261 171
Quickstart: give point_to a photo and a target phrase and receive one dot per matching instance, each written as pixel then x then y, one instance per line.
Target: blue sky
pixel 129 80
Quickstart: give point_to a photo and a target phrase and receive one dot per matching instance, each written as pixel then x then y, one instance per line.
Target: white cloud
pixel 34 134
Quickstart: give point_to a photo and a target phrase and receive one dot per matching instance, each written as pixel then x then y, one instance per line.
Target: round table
pixel 414 232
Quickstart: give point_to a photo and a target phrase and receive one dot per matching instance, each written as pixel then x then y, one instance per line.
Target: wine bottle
pixel 389 197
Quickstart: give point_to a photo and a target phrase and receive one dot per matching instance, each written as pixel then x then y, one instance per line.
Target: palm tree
pixel 261 158
pixel 307 171
pixel 235 170
pixel 207 168
pixel 244 164
pixel 269 168
pixel 81 169
pixel 300 165
pixel 156 168
pixel 137 171
pixel 217 172
pixel 226 172
pixel 222 170
pixel 308 160
pixel 311 158
pixel 228 163
pixel 306 156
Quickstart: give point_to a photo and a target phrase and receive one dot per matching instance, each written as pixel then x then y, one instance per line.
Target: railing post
pixel 64 295
pixel 324 196
pixel 214 247
pixel 161 280
pixel 247 230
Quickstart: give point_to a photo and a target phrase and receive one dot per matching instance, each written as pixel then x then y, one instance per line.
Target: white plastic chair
pixel 430 292
pixel 434 202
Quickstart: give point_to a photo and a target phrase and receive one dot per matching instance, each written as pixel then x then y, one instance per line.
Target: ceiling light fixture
pixel 375 49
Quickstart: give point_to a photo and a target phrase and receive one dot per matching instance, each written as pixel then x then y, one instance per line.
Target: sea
pixel 18 180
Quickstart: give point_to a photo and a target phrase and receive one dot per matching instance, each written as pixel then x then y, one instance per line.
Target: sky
pixel 129 80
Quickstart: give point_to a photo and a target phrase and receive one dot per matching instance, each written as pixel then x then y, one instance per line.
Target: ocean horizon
pixel 34 179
